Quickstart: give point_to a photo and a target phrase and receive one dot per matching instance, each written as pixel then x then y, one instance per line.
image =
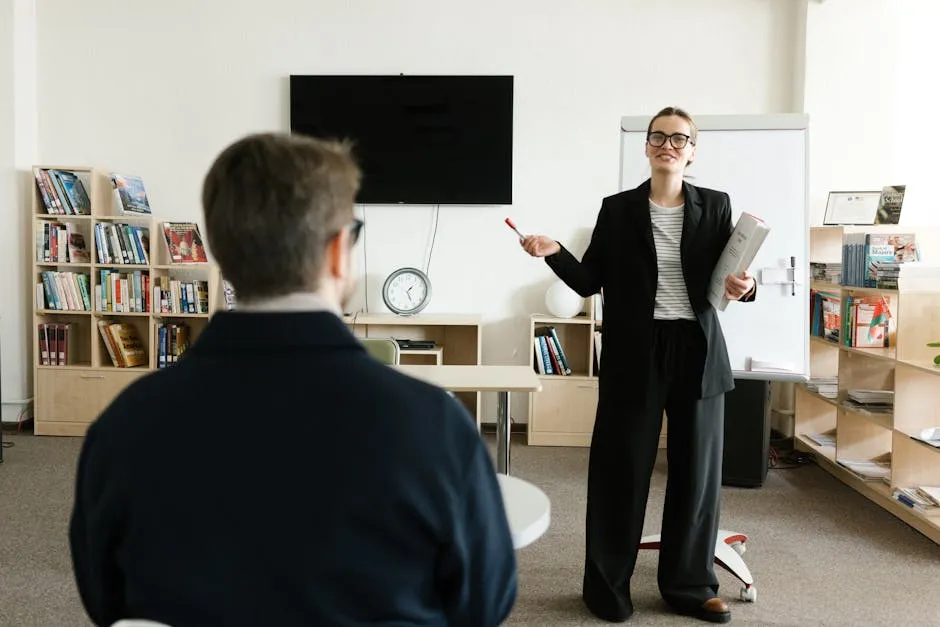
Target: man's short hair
pixel 272 202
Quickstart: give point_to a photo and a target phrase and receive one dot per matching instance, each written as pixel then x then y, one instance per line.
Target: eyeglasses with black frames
pixel 355 229
pixel 677 140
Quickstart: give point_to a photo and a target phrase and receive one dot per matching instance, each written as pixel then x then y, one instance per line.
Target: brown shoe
pixel 714 610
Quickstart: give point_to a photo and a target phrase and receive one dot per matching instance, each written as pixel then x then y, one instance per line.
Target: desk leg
pixel 502 432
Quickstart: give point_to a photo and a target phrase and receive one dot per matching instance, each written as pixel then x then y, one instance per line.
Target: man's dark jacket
pixel 279 475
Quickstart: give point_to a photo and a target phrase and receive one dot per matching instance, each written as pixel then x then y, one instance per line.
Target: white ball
pixel 562 301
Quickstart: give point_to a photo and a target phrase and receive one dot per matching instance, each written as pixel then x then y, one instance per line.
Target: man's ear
pixel 337 259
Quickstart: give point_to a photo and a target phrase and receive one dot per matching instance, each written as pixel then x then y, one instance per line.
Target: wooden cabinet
pixel 562 414
pixel 68 400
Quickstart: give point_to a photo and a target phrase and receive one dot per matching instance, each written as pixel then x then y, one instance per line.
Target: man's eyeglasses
pixel 678 140
pixel 355 228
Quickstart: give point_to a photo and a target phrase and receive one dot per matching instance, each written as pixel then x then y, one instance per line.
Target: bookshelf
pixel 905 368
pixel 562 414
pixel 458 340
pixel 74 384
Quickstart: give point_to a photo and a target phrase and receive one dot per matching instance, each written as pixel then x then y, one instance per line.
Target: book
pixel 746 239
pixel 184 242
pixel 889 206
pixel 130 196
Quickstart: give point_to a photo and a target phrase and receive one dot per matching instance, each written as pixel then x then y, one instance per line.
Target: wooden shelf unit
pixel 905 367
pixel 563 413
pixel 68 398
pixel 458 340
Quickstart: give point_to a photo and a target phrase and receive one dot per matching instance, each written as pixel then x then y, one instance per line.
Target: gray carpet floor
pixel 820 553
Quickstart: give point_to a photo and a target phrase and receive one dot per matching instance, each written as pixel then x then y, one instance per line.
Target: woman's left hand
pixel 738 286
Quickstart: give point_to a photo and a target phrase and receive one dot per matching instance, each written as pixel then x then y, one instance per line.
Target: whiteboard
pixel 761 162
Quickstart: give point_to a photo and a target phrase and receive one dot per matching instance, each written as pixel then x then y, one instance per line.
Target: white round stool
pixel 527 507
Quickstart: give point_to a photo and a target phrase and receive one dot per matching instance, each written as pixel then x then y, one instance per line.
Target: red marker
pixel 513 227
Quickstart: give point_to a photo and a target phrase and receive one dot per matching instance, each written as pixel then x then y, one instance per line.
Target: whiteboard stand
pixel 761 162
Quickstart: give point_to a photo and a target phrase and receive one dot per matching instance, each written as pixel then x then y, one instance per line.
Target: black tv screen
pixel 418 139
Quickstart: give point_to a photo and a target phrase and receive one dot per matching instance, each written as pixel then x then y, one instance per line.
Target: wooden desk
pixel 499 379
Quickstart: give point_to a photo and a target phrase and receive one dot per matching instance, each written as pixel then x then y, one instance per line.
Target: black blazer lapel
pixel 641 202
pixel 690 223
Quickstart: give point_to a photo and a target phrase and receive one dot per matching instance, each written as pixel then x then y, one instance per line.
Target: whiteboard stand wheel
pixel 749 594
pixel 739 548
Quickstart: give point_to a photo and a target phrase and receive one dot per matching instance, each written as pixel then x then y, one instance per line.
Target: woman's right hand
pixel 540 245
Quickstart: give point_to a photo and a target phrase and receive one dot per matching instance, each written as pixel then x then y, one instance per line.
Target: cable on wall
pixel 365 258
pixel 437 216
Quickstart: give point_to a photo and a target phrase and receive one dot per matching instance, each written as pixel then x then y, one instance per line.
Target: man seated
pixel 277 474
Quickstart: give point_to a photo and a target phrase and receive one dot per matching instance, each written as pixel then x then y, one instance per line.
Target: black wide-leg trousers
pixel 623 452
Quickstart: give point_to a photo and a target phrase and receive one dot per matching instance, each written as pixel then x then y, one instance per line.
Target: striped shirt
pixel 672 298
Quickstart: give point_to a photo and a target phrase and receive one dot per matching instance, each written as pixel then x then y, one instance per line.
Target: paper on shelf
pixel 749 233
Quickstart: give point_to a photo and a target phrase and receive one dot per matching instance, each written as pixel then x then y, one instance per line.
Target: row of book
pixel 823 272
pixel 56 344
pixel 121 292
pixel 874 259
pixel 866 321
pixel 63 291
pixel 550 358
pixel 855 321
pixel 60 243
pixel 131 293
pixel 176 296
pixel 825 314
pixel 172 341
pixel 118 243
pixel 62 192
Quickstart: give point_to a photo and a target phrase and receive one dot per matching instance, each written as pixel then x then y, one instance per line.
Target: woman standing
pixel 653 251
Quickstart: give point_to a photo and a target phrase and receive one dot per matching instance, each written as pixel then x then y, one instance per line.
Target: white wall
pixel 872 100
pixel 18 149
pixel 159 88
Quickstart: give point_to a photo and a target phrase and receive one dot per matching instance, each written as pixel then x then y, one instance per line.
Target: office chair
pixel 384 349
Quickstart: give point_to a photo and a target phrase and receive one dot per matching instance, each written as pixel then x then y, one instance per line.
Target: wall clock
pixel 406 291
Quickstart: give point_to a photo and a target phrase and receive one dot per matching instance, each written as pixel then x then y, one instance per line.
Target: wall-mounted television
pixel 418 139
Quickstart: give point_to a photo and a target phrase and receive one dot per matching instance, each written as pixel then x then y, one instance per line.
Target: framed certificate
pixel 852 207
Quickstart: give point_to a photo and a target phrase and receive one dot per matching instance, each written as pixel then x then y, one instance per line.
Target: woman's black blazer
pixel 621 260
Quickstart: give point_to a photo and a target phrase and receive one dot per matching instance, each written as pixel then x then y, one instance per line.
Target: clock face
pixel 407 291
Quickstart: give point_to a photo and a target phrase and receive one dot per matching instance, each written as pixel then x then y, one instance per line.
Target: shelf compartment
pixel 814 414
pixel 139 325
pixel 918 324
pixel 917 400
pixel 859 439
pixel 858 372
pixel 575 341
pixel 71 343
pixel 915 463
